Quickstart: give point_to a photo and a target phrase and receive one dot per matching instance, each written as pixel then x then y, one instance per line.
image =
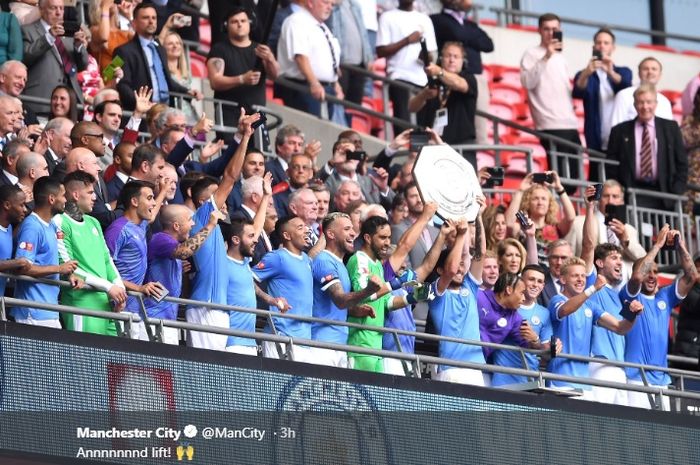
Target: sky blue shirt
pixel 5 251
pixel 127 245
pixel 240 293
pixel 454 314
pixel 37 242
pixel 605 343
pixel 328 270
pixel 401 318
pixel 647 341
pixel 288 276
pixel 210 280
pixel 538 318
pixel 165 269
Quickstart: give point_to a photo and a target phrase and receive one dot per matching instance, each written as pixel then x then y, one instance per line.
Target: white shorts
pixel 138 330
pixel 641 399
pixel 245 350
pixel 170 335
pixel 328 357
pixel 462 376
pixel 394 366
pixel 51 323
pixel 301 353
pixel 608 373
pixel 208 317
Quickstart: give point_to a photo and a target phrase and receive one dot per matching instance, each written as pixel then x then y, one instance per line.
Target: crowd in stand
pixel 83 200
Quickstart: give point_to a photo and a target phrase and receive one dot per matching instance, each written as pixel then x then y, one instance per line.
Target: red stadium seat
pixel 198 66
pixel 488 22
pixel 657 48
pixel 673 96
pixel 522 27
pixel 495 71
pixel 503 110
pixel 507 93
pixel 691 53
pixel 205 32
pixel 511 75
pixel 360 121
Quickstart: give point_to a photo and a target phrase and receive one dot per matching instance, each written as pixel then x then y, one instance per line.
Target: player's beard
pixel 73 211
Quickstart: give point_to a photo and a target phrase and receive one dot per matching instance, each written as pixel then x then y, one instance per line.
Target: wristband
pixel 394 283
pixel 561 192
pixel 411 299
pixel 240 79
pixel 589 291
pixel 628 315
pixel 373 296
pixel 105 15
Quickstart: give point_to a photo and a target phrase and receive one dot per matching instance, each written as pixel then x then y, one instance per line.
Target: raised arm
pixel 454 258
pixel 574 303
pixel 531 243
pixel 590 230
pixel 410 237
pixel 690 274
pixel 568 207
pixel 642 267
pixel 514 206
pixel 259 219
pixel 190 246
pixel 431 258
pixel 476 266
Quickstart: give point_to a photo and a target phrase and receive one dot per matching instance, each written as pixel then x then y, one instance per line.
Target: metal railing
pixel 540 378
pixel 507 15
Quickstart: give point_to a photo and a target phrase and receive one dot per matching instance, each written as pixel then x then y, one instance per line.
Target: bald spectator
pixel 649 72
pixel 57 134
pixel 13 79
pixel 30 167
pixel 310 55
pixel 347 192
pixel 52 58
pixel 84 159
pixel 303 204
pixel 123 154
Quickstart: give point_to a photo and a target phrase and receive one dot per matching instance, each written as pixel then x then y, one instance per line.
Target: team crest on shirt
pixel 464 293
pixel 59 235
pixel 28 246
pixel 502 322
pixel 661 304
pixel 535 320
pixel 260 265
pixel 588 312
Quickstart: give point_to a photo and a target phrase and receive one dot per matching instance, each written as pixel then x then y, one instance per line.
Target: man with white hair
pixel 649 72
pixel 253 198
pixel 347 192
pixel 57 134
pixel 13 79
pixel 11 153
pixel 303 204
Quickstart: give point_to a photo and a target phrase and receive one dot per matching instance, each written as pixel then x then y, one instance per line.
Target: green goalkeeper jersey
pixel 360 268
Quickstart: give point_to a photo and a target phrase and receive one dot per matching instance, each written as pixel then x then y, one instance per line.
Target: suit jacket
pixel 549 291
pixel 4 180
pixel 137 73
pixel 369 190
pixel 50 161
pixel 417 254
pixel 279 174
pixel 672 160
pixel 114 188
pixel 101 211
pixel 45 68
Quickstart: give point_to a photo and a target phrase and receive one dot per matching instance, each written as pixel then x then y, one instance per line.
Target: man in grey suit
pixel 51 58
pixel 430 233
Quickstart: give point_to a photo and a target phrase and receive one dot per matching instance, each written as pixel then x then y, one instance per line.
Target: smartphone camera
pixel 522 219
pixel 558 35
pixel 671 244
pixel 70 28
pixel 542 178
pixel 260 122
pixel 497 174
pixel 598 55
pixel 358 155
pixel 598 192
pixel 418 139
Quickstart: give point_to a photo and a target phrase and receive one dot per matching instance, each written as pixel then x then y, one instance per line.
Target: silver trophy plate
pixel 445 177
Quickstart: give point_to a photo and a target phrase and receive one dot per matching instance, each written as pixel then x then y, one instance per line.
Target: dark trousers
pixel 399 99
pixel 353 85
pixel 304 101
pixel 570 135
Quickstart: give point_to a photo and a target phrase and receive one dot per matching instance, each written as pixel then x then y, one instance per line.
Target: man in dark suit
pixel 650 152
pixel 10 154
pixel 145 62
pixel 51 58
pixel 57 133
pixel 289 141
pixel 256 192
pixel 123 153
pixel 559 251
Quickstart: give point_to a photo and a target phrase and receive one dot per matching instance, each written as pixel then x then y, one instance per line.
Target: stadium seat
pixel 488 22
pixel 205 32
pixel 673 96
pixel 495 72
pixel 511 75
pixel 657 48
pixel 691 53
pixel 485 160
pixel 198 66
pixel 360 122
pixel 507 93
pixel 503 110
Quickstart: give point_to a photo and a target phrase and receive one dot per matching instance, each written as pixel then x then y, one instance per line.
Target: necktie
pixel 612 237
pixel 645 155
pixel 330 44
pixel 159 71
pixel 65 58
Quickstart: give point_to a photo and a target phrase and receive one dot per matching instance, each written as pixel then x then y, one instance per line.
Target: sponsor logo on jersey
pixel 59 235
pixel 28 246
pixel 260 265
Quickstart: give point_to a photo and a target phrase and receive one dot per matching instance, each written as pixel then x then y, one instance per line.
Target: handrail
pixel 131 318
pixel 505 12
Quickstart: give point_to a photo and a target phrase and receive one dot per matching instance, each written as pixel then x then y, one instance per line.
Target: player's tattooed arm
pixel 188 248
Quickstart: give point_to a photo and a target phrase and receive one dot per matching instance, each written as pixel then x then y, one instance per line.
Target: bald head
pixel 170 214
pixel 82 159
pixel 30 167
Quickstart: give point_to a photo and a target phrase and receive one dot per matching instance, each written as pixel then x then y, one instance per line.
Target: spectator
pixel 253 165
pixel 147 164
pixel 166 251
pixel 558 252
pixel 233 68
pixel 687 341
pixel 511 256
pixel 333 295
pixel 10 38
pixel 491 272
pixel 110 29
pixel 37 243
pixel 448 103
pixel 123 155
pixel 428 234
pixel 260 12
pixel 323 199
pixel 30 167
pixel 597 85
pixel 347 193
pixel 537 319
pixel 453 24
pixel 11 155
pixel 255 198
pixel 309 55
pixel 180 73
pixel 57 134
pixel 614 232
pixel 64 103
pixel 84 244
pixel 495 226
pixel 289 141
pixel 647 341
pixel 13 78
pixel 649 73
pixel 537 201
pixel 347 24
pixel 573 319
pixel 84 159
pixel 544 73
pixel 688 97
pixel 303 204
pixel 690 130
pixel 282 13
pixel 12 212
pixel 91 82
pixel 145 62
pixel 399 210
pixel 455 300
pixel 650 152
pixel 300 172
pixel 43 40
pixel 398 37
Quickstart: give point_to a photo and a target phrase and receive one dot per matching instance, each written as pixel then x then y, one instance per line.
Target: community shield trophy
pixel 445 177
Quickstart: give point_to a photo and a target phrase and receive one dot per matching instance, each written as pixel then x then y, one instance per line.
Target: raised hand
pixel 210 149
pixel 203 126
pixel 267 184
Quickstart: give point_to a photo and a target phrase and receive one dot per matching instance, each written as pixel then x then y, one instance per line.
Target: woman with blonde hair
pixel 511 256
pixel 106 33
pixel 494 218
pixel 179 69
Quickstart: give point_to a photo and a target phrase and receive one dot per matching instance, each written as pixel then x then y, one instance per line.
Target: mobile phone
pixel 598 192
pixel 358 155
pixel 673 245
pixel 260 122
pixel 497 174
pixel 597 54
pixel 558 35
pixel 522 219
pixel 70 28
pixel 542 178
pixel 372 172
pixel 162 295
pixel 618 212
pixel 182 21
pixel 418 139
